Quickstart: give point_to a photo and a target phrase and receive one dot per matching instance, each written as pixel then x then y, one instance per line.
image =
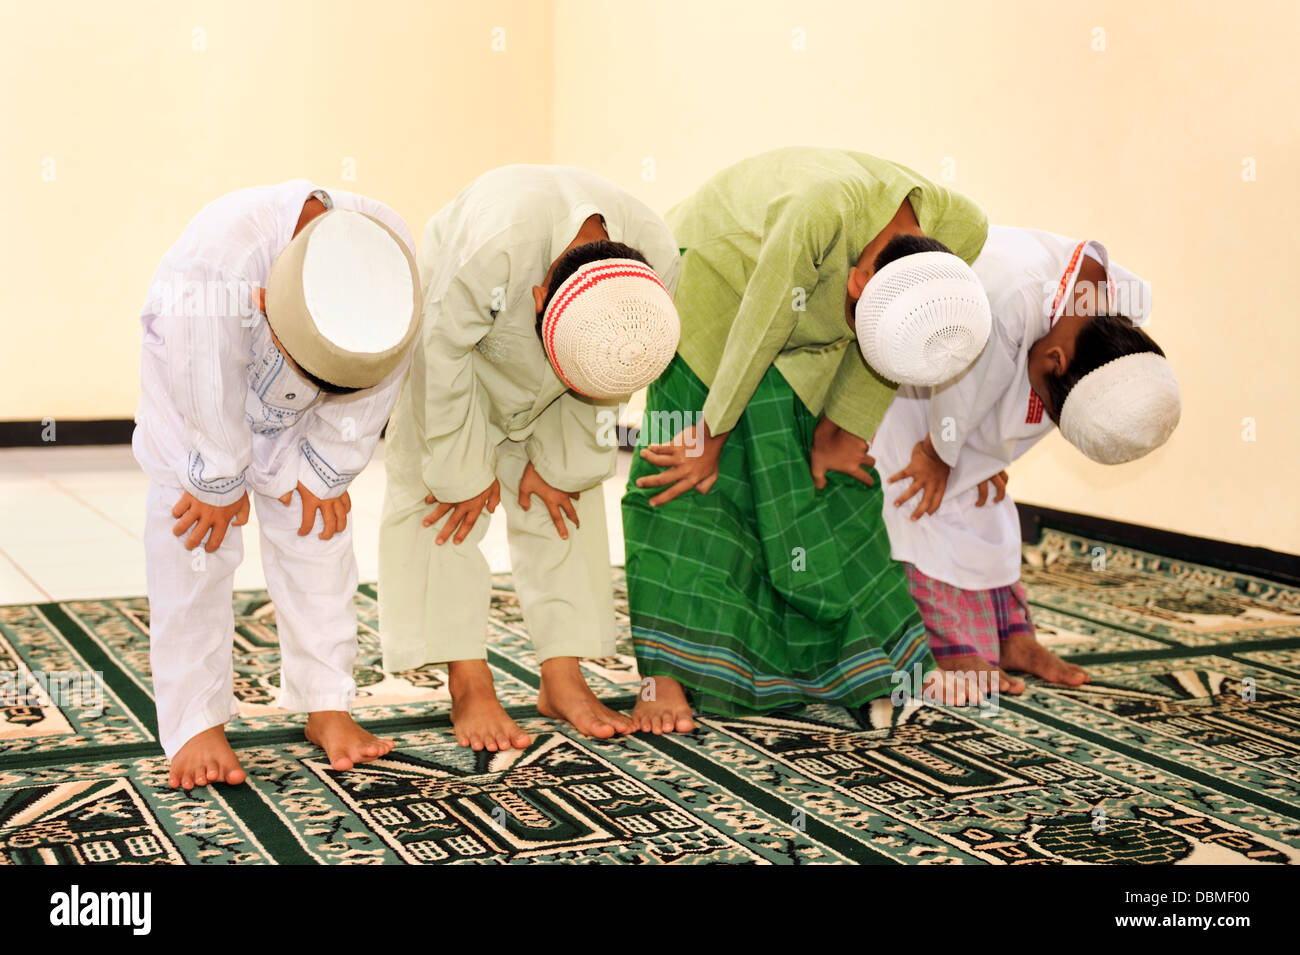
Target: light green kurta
pixel 769 243
pixel 481 402
pixel 479 375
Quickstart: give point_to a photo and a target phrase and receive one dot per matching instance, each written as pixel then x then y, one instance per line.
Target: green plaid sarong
pixel 765 592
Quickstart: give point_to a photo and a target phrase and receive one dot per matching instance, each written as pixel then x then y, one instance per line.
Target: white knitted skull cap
pixel 1123 409
pixel 611 328
pixel 343 298
pixel 923 318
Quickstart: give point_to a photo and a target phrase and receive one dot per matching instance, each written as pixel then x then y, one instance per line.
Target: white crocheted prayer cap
pixel 611 328
pixel 343 298
pixel 923 319
pixel 1124 409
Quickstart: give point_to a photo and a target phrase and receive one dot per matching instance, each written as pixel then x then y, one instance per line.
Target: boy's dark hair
pixel 579 256
pixel 905 244
pixel 325 386
pixel 1102 340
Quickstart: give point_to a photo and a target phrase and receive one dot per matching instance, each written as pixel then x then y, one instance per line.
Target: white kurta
pixel 981 421
pixel 222 414
pixel 483 400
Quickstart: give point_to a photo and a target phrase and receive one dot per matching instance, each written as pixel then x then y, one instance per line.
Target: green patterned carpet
pixel 1182 749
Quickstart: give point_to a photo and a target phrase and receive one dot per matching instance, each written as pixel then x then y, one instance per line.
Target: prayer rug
pixel 1184 748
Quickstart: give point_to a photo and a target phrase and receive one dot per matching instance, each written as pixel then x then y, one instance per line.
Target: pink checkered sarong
pixel 962 622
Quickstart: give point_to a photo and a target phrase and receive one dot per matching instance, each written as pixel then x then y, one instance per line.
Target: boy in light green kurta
pixel 774 585
pixel 484 418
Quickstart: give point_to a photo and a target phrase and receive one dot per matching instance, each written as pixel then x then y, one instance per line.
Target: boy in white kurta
pixel 484 417
pixel 961 539
pixel 228 409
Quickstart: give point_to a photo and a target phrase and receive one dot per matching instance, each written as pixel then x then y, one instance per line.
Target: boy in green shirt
pixel 772 585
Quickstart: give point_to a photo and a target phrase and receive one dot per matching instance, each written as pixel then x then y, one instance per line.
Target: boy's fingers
pixel 286 498
pixel 347 503
pixel 818 474
pixel 937 498
pixel 186 521
pixel 983 493
pixel 671 448
pixel 241 516
pixel 466 525
pixel 707 484
pixel 525 498
pixel 900 475
pixel 567 506
pixel 329 521
pixel 681 487
pixel 494 497
pixel 196 536
pixel 308 519
pixel 860 475
pixel 924 503
pixel 452 524
pixel 217 536
pixel 558 519
pixel 430 499
pixel 661 460
pixel 182 505
pixel 436 514
pixel 912 489
pixel 663 477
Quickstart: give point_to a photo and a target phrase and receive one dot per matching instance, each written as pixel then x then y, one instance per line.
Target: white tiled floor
pixel 70 521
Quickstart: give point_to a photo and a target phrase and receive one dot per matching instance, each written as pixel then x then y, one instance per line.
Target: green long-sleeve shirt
pixel 769 244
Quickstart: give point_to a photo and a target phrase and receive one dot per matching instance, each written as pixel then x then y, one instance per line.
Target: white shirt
pixel 220 410
pixel 479 374
pixel 980 421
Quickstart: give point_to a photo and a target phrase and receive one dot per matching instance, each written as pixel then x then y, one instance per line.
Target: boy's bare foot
pixel 205 758
pixel 345 743
pixel 966 673
pixel 564 695
pixel 1023 652
pixel 477 716
pixel 668 712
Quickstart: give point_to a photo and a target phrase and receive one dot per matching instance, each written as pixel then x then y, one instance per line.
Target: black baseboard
pixel 36 434
pixel 1257 561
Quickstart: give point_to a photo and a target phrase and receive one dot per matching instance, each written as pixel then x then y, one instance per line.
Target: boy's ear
pixel 857 282
pixel 259 299
pixel 539 296
pixel 1058 361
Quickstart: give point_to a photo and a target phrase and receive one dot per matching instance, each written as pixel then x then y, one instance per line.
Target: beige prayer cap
pixel 611 328
pixel 343 298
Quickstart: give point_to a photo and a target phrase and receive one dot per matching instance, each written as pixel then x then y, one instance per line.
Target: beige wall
pixel 1140 146
pixel 144 131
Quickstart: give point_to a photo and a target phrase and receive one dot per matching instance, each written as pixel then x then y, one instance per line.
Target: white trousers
pixel 434 601
pixel 192 625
